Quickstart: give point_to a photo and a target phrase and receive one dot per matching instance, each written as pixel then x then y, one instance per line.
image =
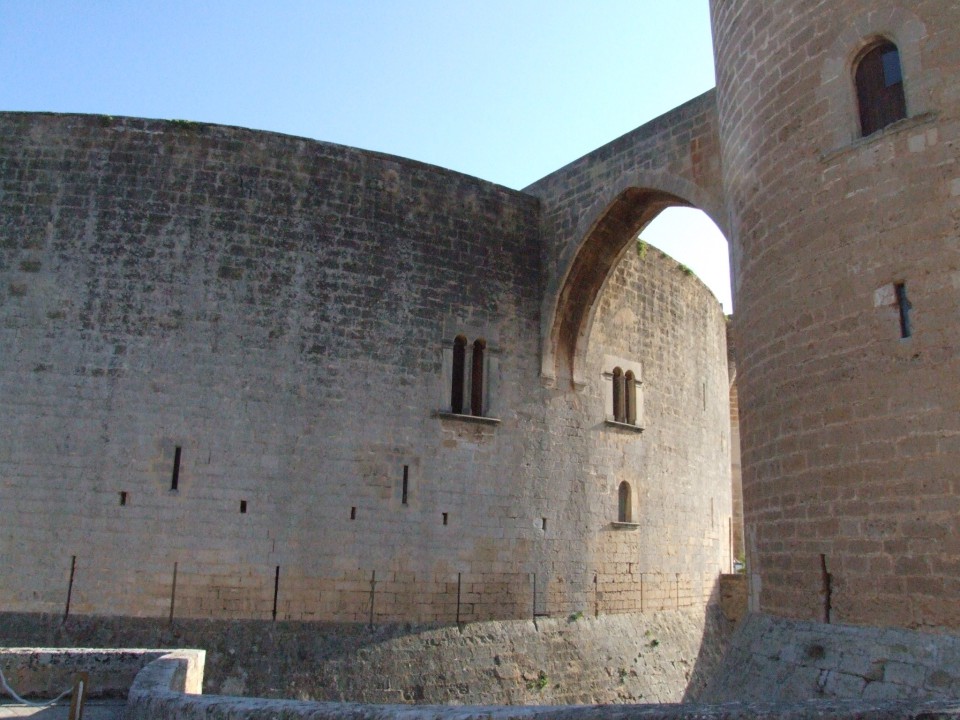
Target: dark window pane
pixel 459 360
pixel 476 384
pixel 880 89
pixel 618 409
pixel 891 67
pixel 623 503
pixel 630 397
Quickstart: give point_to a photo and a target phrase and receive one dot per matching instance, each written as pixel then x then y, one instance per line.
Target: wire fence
pixel 375 595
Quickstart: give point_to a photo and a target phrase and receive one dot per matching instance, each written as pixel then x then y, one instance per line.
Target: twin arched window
pixel 624 396
pixel 879 81
pixel 459 377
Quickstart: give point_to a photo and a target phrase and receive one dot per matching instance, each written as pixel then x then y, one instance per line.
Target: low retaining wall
pixel 43 673
pixel 774 668
pixel 656 657
pixel 159 694
pixel 169 686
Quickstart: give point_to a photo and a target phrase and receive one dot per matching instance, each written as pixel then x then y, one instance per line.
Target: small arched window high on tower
pixel 458 369
pixel 476 378
pixel 879 82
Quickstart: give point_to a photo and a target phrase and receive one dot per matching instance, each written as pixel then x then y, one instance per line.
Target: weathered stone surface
pixel 44 673
pixel 276 313
pixel 777 659
pixel 733 596
pixel 279 311
pixel 167 687
pixel 653 657
pixel 157 694
pixel 850 432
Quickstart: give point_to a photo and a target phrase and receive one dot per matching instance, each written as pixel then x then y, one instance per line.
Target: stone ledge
pixel 623 426
pixel 905 124
pixel 482 420
pixel 620 525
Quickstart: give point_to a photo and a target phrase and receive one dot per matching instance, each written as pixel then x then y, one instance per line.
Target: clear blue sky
pixel 504 90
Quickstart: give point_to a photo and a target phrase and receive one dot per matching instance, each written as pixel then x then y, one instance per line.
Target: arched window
pixel 879 82
pixel 629 398
pixel 624 511
pixel 618 404
pixel 458 370
pixel 476 378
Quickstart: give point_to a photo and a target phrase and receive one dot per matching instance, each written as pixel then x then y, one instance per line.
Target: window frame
pixel 624 502
pixel 622 393
pixel 880 102
pixel 472 367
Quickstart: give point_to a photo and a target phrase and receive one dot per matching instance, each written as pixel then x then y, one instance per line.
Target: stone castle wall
pixel 226 389
pixel 278 315
pixel 736 478
pixel 850 433
pixel 682 394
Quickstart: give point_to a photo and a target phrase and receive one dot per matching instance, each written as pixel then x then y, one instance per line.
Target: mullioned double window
pixel 470 371
pixel 623 401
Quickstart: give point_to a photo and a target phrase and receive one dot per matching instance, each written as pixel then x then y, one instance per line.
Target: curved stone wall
pixel 657 319
pixel 850 432
pixel 230 391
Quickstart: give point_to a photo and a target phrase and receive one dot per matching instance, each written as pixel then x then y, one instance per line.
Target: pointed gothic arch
pixel 613 226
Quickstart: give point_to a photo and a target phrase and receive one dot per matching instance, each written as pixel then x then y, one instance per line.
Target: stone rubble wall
pixel 654 657
pixel 43 673
pixel 776 659
pixel 162 690
pixel 773 668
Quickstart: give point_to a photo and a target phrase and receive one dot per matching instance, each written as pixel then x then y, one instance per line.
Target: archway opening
pixel 673 222
pixel 690 237
pixel 595 258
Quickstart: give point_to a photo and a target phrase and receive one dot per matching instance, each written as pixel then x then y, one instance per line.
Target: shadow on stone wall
pixel 244 657
pixel 718 628
pixel 637 658
pixel 773 659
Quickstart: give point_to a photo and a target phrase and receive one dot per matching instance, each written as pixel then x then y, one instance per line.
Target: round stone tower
pixel 839 125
